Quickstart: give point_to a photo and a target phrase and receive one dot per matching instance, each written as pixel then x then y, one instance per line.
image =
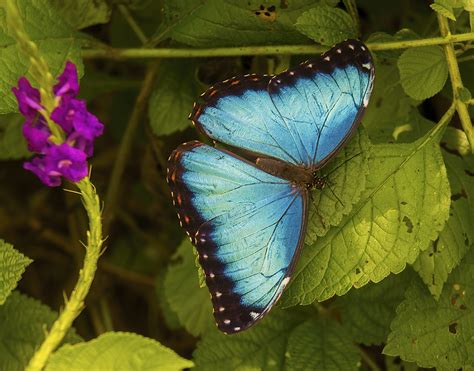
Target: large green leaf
pixel 321 344
pixel 367 312
pixel 191 303
pixel 230 23
pixel 173 97
pixel 262 347
pixel 117 351
pixel 327 25
pixel 23 322
pixel 404 206
pixel 423 71
pixel 445 253
pixel 54 37
pixel 437 333
pixel 12 266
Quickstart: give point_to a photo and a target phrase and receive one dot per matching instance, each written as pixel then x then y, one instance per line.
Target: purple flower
pixel 60 161
pixel 36 132
pixel 78 128
pixel 72 116
pixel 28 98
pixel 68 84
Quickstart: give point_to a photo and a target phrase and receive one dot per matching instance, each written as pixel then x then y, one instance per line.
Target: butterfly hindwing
pixel 246 224
pixel 302 116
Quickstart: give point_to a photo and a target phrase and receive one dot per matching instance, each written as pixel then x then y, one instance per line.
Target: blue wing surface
pixel 302 116
pixel 246 224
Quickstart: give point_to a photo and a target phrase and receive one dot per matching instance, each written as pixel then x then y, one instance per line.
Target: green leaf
pixel 367 312
pixel 327 207
pixel 12 266
pixel 12 143
pixel 191 303
pixel 446 252
pixel 23 322
pixel 82 13
pixel 233 23
pixel 173 97
pixel 389 106
pixel 321 345
pixel 54 37
pixel 437 333
pixel 444 8
pixel 404 206
pixel 423 71
pixel 117 351
pixel 261 347
pixel 327 25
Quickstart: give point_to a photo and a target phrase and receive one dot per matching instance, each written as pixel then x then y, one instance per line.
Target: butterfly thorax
pixel 304 177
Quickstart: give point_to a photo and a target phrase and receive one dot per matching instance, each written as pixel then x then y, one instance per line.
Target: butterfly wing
pixel 246 224
pixel 302 116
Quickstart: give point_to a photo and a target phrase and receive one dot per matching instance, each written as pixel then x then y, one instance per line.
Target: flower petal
pixel 29 99
pixel 68 84
pixel 38 167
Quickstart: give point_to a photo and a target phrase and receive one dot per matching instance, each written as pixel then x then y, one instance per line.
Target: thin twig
pixel 456 82
pixel 113 53
pixel 125 149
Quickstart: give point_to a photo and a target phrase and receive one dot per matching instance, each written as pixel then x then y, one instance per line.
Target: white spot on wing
pixel 327 58
pixel 218 294
pixel 227 321
pixel 366 66
pixel 351 46
pixel 254 314
pixel 236 328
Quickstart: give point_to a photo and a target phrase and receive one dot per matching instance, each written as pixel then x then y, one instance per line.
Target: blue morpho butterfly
pixel 246 218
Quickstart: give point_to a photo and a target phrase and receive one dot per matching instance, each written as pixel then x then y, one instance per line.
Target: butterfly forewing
pixel 247 226
pixel 302 116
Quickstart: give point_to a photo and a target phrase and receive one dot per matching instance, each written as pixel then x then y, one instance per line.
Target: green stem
pixel 456 82
pixel 113 53
pixel 111 198
pixel 75 304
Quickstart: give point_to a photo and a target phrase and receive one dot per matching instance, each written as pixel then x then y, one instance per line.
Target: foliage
pixel 387 261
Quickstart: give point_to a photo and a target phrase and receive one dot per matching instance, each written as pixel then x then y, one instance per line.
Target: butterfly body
pixel 247 215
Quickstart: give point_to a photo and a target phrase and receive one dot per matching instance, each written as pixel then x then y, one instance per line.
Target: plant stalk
pixel 113 53
pixel 456 82
pixel 75 303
